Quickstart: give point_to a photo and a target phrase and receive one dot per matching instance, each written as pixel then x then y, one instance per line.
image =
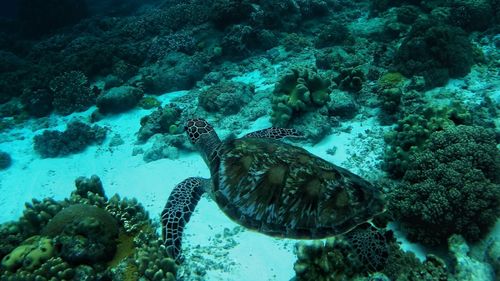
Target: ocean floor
pixel 215 247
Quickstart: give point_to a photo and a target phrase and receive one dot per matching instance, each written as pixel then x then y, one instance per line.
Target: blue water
pixel 401 97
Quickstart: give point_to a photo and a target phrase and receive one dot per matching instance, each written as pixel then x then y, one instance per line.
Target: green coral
pixel 391 80
pixel 160 122
pixel 149 102
pixel 30 254
pixel 414 129
pixel 451 186
pixel 350 79
pixel 298 91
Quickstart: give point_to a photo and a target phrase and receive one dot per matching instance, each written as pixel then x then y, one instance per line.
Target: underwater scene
pixel 250 140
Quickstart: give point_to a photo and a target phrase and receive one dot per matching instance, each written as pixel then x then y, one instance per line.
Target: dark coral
pixel 161 121
pixel 71 93
pixel 350 79
pixel 88 185
pixel 84 234
pixel 228 12
pixel 450 187
pixel 226 97
pixel 472 15
pixel 74 139
pixel 119 99
pixel 435 51
pixel 176 71
pixel 335 33
pixel 413 130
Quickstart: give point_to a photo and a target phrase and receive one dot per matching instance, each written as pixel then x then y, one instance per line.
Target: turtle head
pixel 203 136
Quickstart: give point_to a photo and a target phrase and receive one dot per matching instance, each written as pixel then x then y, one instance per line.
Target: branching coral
pixel 74 139
pixel 451 186
pixel 71 92
pixel 84 233
pixel 414 129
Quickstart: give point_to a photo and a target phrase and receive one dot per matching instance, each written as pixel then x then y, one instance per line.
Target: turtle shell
pixel 283 190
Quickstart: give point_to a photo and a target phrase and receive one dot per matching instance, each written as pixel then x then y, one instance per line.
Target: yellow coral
pixel 391 79
pixel 30 254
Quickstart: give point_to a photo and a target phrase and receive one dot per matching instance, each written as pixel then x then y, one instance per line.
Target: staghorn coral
pixel 298 91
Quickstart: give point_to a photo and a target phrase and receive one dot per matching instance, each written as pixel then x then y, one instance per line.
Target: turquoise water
pixel 401 98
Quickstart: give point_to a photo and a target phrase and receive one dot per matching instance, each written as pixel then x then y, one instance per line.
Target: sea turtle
pixel 269 186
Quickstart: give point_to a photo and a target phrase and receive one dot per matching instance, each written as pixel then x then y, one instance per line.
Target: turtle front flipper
pixel 275 133
pixel 177 212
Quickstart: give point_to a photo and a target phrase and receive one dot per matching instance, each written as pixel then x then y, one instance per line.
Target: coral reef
pixel 362 256
pixel 435 51
pixel 71 93
pixel 413 129
pixel 161 121
pixel 333 34
pixel 451 186
pixel 84 234
pixel 350 79
pixel 226 97
pixel 85 237
pixel 175 71
pixel 298 91
pixel 74 139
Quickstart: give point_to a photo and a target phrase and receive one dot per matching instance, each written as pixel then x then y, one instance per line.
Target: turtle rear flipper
pixel 177 212
pixel 275 133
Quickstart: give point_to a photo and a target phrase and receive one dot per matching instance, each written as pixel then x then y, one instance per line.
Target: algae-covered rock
pixel 119 99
